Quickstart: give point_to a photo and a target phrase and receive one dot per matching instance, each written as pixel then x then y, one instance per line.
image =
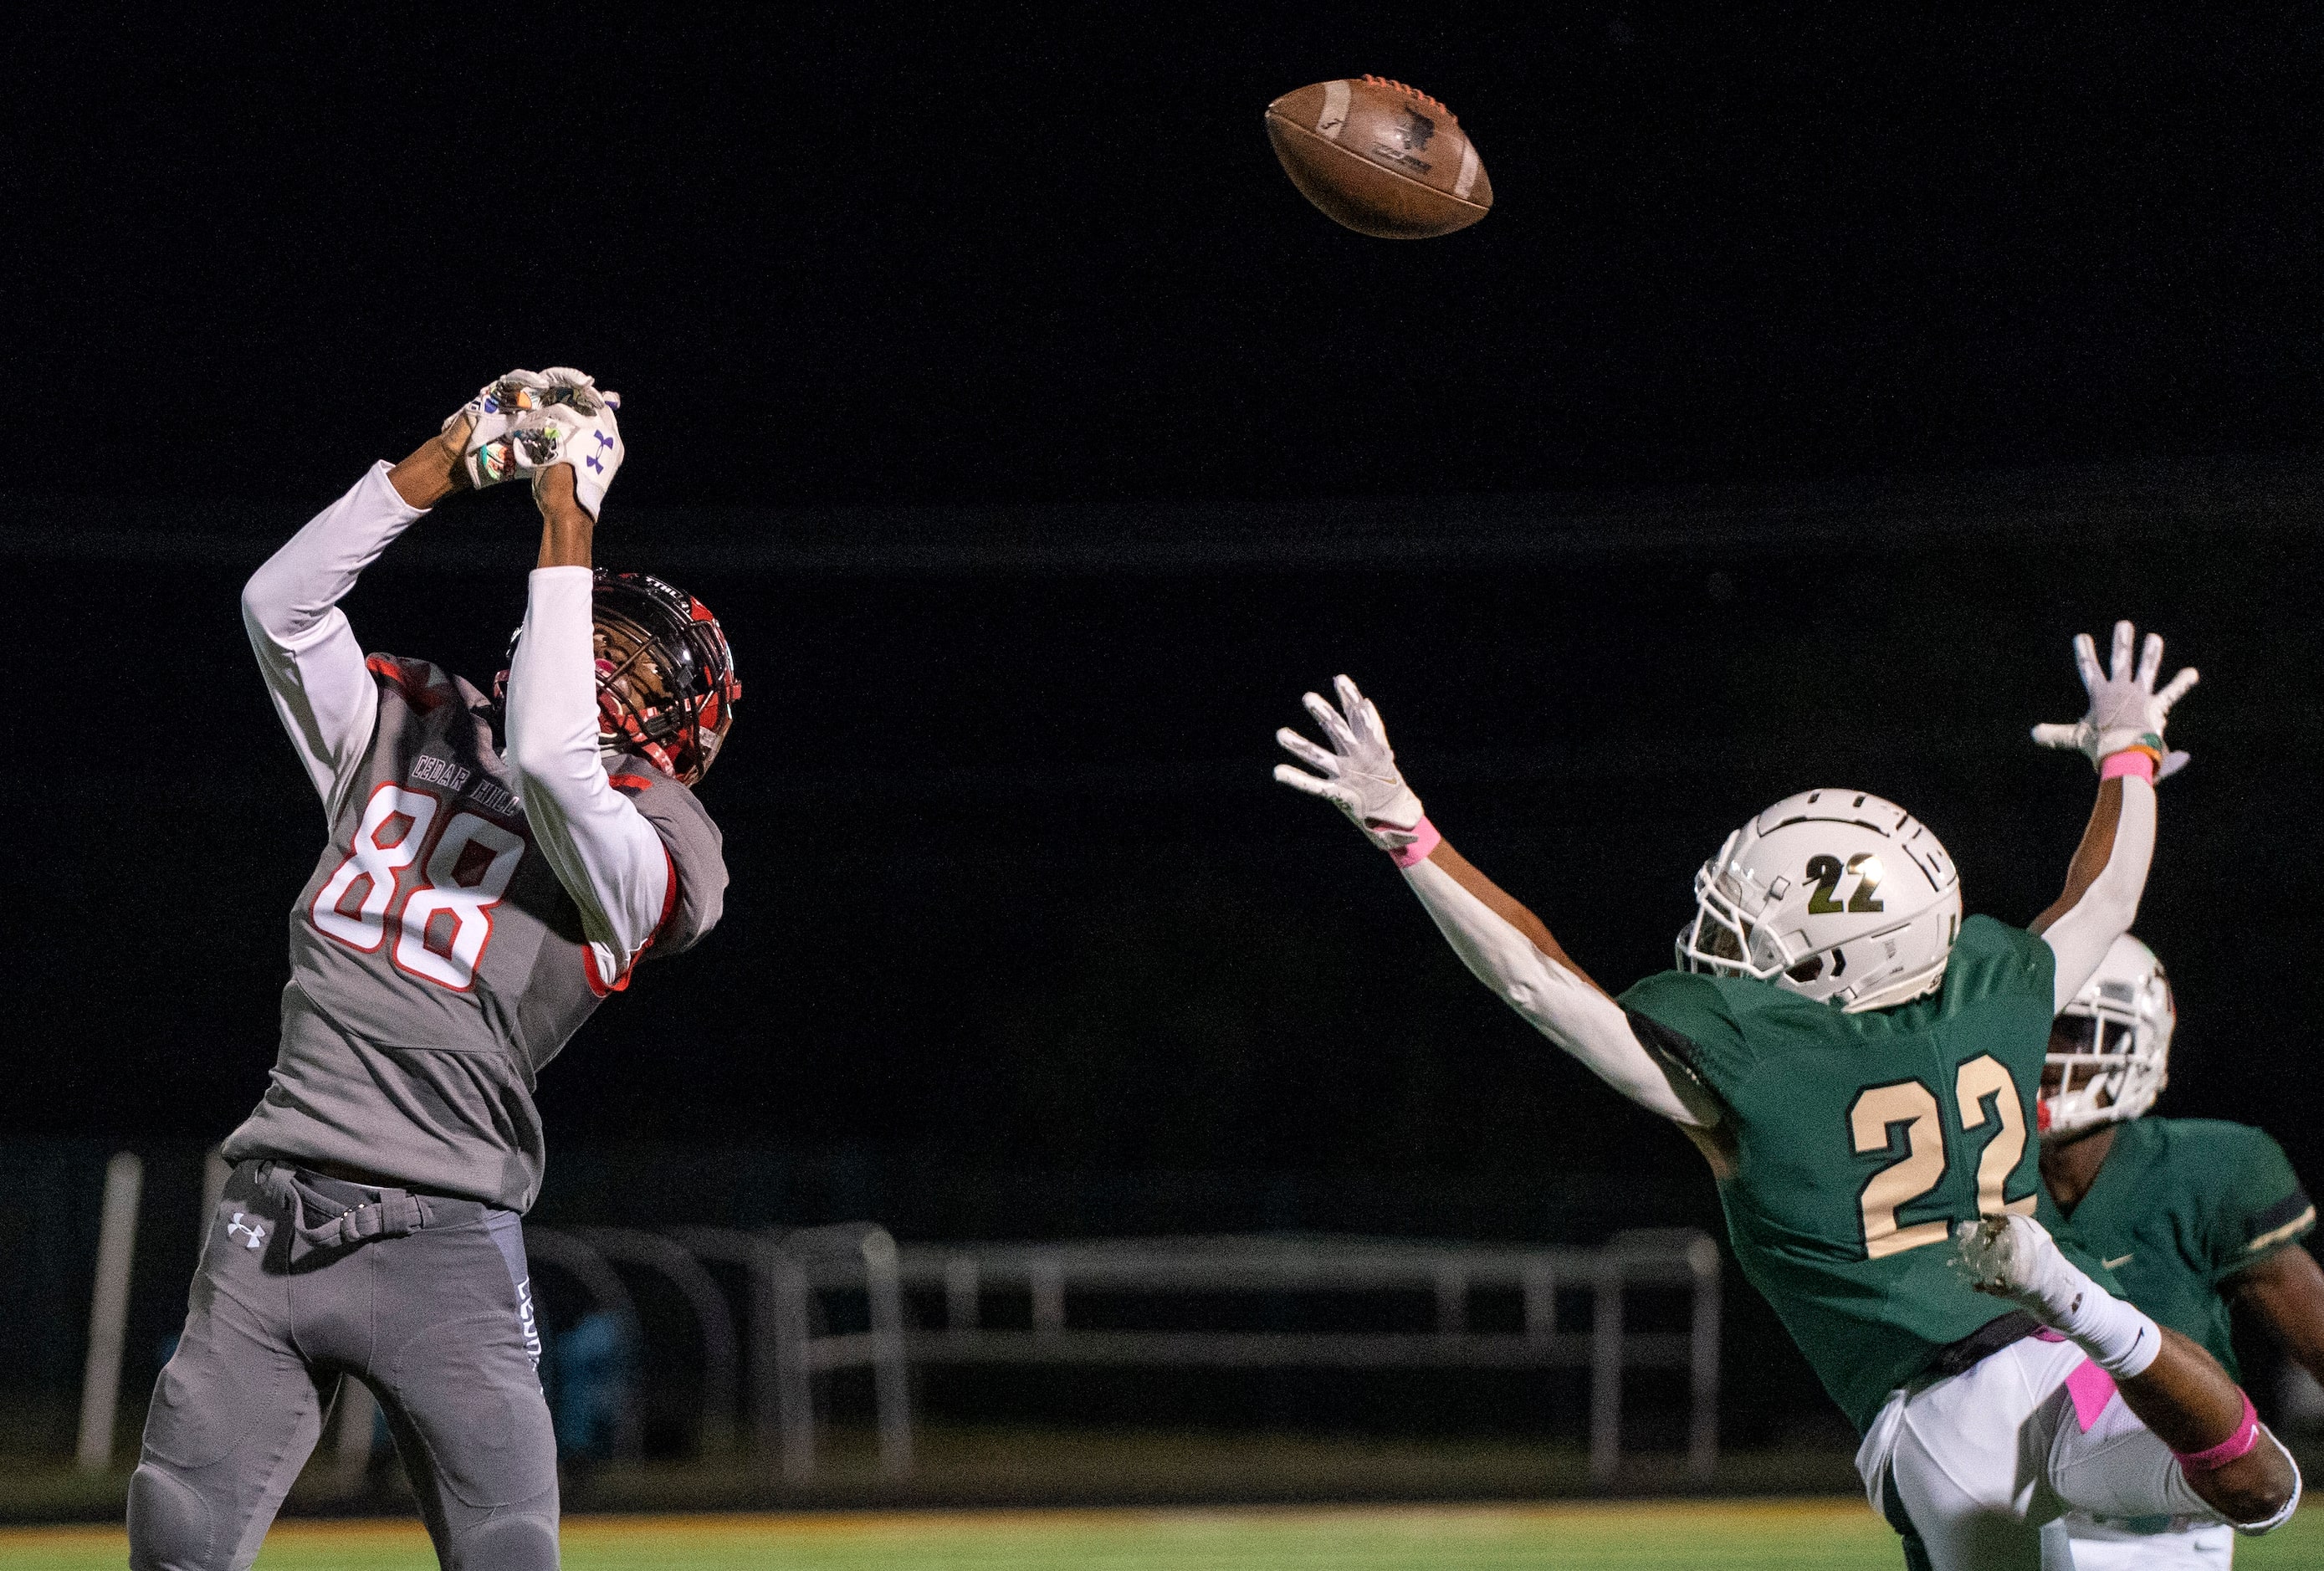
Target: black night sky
pixel 1037 445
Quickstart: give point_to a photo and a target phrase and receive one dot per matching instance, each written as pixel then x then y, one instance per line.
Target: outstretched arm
pixel 1504 945
pixel 307 651
pixel 2285 1291
pixel 2103 883
pixel 1507 948
pixel 608 857
pixel 2122 734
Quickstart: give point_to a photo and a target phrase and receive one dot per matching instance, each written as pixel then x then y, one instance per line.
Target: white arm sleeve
pixel 313 666
pixel 1556 1002
pixel 2081 937
pixel 609 859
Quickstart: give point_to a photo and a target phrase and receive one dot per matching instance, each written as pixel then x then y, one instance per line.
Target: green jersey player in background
pixel 1860 1067
pixel 2192 1215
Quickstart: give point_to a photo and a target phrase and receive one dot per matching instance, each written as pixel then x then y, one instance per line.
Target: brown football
pixel 1379 157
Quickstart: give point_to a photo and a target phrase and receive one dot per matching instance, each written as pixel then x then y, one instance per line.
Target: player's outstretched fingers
pixel 2150 661
pixel 1335 728
pixel 1307 753
pixel 2086 662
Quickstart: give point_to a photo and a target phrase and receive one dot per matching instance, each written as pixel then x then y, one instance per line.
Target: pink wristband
pixel 2238 1444
pixel 1417 852
pixel 2134 760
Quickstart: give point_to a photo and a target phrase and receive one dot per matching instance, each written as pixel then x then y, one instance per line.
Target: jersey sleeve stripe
pixel 2301 1223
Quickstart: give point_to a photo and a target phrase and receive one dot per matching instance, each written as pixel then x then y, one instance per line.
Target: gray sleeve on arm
pixel 307 651
pixel 696 853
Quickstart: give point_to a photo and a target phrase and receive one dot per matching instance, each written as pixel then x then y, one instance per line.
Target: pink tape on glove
pixel 1417 853
pixel 2134 760
pixel 2238 1444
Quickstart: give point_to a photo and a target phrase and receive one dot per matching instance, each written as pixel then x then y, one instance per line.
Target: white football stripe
pixel 1334 117
pixel 1470 165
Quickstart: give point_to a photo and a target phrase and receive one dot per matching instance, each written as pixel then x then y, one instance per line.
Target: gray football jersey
pixel 436 964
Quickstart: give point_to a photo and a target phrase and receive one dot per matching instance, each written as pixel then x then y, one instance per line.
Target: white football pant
pixel 1977 1462
pixel 2107 1546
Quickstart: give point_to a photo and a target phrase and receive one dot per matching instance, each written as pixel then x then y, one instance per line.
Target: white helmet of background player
pixel 2110 1049
pixel 1840 896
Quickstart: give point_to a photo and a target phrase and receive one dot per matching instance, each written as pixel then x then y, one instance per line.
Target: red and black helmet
pixel 666 682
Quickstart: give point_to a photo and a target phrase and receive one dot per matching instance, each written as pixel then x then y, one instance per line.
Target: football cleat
pixel 2110 1049
pixel 1838 895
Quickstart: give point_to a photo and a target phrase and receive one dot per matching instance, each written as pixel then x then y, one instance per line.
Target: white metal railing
pixel 788 1271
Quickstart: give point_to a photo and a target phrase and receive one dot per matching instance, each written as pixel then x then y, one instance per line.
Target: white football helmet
pixel 2120 1026
pixel 1837 895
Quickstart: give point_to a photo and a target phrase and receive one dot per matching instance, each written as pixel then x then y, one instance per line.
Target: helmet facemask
pixel 666 686
pixel 666 682
pixel 2110 1049
pixel 1726 935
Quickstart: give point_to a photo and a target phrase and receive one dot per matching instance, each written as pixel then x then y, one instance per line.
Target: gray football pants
pixel 303 1279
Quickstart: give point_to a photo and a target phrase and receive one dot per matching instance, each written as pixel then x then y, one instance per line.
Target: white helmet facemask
pixel 1840 896
pixel 2119 1027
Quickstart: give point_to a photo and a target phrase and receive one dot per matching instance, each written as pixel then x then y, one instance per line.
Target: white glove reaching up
pixel 2014 1257
pixel 2126 711
pixel 527 421
pixel 588 436
pixel 1359 775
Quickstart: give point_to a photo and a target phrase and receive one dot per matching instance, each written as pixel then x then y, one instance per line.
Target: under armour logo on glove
pixel 257 1231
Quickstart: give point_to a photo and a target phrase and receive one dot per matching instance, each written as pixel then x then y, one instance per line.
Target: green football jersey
pixel 1861 1138
pixel 2183 1204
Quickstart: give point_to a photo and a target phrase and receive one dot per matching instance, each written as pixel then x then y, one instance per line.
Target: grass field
pixel 1805 1535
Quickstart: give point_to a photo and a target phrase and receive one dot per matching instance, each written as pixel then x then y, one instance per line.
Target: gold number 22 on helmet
pixel 1922 1167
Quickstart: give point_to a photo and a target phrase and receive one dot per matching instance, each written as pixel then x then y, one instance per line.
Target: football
pixel 1379 157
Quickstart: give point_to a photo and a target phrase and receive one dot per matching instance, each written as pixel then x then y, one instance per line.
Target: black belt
pixel 1957 1357
pixel 328 1213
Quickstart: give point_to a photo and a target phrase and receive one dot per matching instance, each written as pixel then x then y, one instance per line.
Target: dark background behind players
pixel 1014 890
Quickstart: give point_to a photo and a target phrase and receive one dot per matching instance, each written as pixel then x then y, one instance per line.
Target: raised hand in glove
pixel 2127 713
pixel 587 435
pixel 1358 775
pixel 526 421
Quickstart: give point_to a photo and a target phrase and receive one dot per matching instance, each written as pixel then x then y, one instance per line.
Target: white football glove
pixel 1359 775
pixel 2126 711
pixel 2014 1257
pixel 529 421
pixel 588 435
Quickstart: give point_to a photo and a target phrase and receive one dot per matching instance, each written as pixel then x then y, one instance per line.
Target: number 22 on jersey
pixel 467 872
pixel 1879 1109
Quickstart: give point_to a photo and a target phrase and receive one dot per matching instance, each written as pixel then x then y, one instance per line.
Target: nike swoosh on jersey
pixel 2118 1259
